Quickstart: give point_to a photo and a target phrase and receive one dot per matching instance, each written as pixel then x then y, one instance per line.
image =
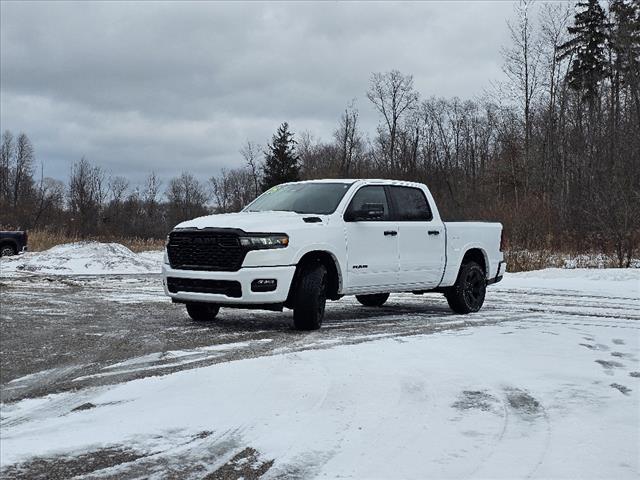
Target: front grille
pixel 214 250
pixel 230 288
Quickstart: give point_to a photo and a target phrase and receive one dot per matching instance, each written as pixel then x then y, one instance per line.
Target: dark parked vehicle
pixel 12 243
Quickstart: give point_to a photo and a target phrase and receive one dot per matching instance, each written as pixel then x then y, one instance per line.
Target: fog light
pixel 264 285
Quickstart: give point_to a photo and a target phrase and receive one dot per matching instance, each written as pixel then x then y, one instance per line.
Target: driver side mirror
pixel 369 211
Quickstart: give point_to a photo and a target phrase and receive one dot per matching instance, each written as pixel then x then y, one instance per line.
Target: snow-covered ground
pixel 615 281
pixel 507 401
pixel 544 382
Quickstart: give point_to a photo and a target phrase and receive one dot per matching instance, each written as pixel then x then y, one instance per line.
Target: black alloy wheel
pixel 467 294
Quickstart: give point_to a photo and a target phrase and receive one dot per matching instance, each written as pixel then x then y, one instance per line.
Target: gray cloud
pixel 173 86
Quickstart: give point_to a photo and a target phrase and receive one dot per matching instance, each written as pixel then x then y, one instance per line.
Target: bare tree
pixel 348 138
pixel 23 169
pixel 317 159
pixel 7 155
pixel 393 96
pixel 50 202
pixel 221 188
pixel 554 19
pixel 86 196
pixel 233 189
pixel 186 197
pixel 118 187
pixel 251 154
pixel 522 63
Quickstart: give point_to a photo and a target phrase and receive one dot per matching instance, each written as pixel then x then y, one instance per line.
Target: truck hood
pixel 272 221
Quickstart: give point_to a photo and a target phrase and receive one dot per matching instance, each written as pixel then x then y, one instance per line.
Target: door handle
pixel 393 233
pixel 434 232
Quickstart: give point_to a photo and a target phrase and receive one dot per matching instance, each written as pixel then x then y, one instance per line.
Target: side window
pixel 411 204
pixel 370 194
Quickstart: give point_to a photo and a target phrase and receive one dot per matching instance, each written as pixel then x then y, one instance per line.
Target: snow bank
pixel 620 281
pixel 82 258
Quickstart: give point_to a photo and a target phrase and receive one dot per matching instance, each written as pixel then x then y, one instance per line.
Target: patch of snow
pixel 617 281
pixel 82 258
pixel 171 358
pixel 173 354
pixel 34 377
pixel 155 256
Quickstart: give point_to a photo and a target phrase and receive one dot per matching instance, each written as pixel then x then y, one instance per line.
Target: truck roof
pixel 363 180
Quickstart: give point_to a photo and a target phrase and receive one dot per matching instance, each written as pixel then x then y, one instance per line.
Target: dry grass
pixel 525 260
pixel 40 240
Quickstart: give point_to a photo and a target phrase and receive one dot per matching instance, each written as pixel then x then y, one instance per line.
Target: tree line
pixel 553 151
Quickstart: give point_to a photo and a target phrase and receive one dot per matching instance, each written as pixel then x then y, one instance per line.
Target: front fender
pixel 337 256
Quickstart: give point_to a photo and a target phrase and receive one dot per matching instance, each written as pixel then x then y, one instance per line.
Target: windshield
pixel 319 198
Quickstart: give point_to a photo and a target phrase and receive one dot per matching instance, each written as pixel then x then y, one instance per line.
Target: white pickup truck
pixel 299 244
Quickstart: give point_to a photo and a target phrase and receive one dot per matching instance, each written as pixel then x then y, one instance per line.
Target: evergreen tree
pixel 587 48
pixel 281 161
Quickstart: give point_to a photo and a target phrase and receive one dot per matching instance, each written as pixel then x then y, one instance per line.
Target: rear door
pixel 372 245
pixel 421 239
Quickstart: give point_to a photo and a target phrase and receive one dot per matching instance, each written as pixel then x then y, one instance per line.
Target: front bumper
pixel 283 275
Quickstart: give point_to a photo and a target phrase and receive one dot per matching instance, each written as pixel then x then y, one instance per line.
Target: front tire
pixel 310 298
pixel 374 300
pixel 7 251
pixel 467 294
pixel 202 312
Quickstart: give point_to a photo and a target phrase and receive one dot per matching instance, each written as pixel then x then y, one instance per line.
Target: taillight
pixel 502 240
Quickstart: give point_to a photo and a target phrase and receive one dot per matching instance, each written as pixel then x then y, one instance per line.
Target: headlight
pixel 258 242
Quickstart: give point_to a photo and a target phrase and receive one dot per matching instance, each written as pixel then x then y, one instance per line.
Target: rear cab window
pixel 410 204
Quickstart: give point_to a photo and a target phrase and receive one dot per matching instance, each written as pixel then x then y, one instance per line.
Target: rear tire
pixel 202 312
pixel 375 300
pixel 7 251
pixel 467 294
pixel 310 298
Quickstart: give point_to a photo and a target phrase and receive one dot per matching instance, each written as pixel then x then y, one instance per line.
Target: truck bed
pixel 463 236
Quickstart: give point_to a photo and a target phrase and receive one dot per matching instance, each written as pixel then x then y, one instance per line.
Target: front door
pixel 372 245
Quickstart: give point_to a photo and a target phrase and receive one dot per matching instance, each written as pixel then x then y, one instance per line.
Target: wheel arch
pixel 9 242
pixel 478 255
pixel 325 258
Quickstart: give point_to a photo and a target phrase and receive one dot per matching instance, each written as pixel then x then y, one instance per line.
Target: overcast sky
pixel 181 86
